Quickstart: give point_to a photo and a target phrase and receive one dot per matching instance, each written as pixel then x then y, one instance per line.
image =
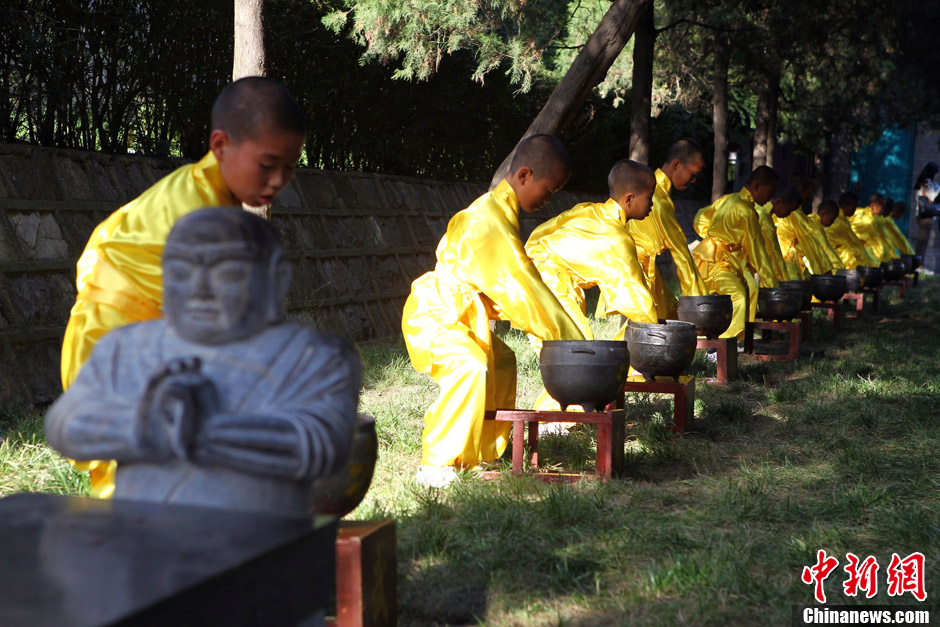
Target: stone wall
pixel 356 240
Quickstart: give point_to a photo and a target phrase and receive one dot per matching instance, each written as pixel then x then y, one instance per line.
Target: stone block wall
pixel 356 241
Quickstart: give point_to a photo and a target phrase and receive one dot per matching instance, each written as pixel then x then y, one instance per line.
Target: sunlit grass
pixel 836 452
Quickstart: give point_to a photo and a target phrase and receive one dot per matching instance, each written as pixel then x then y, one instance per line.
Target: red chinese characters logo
pixel 907 575
pixel 819 572
pixel 862 576
pixel 903 575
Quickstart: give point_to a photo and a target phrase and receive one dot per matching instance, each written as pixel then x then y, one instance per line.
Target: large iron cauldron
pixel 661 350
pixel 710 314
pixel 854 278
pixel 589 373
pixel 908 263
pixel 806 292
pixel 873 276
pixel 829 286
pixel 893 269
pixel 778 303
pixel 339 494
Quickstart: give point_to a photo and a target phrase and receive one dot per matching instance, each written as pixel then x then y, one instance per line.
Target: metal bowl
pixel 661 350
pixel 854 278
pixel 590 373
pixel 710 314
pixel 908 263
pixel 806 291
pixel 829 287
pixel 778 303
pixel 341 493
pixel 893 269
pixel 873 276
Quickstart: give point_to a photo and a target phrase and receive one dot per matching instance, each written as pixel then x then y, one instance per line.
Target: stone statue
pixel 222 403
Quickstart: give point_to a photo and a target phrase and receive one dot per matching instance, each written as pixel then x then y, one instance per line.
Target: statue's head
pixel 224 276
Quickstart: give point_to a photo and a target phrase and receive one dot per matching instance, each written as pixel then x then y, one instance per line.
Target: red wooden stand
pixel 859 300
pixel 727 353
pixel 916 275
pixel 610 436
pixel 366 571
pixel 834 312
pixel 898 284
pixel 806 325
pixel 874 291
pixel 683 391
pixel 793 328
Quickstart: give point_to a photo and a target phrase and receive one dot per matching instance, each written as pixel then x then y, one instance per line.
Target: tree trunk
pixel 720 115
pixel 761 122
pixel 587 70
pixel 839 160
pixel 641 94
pixel 771 139
pixel 249 57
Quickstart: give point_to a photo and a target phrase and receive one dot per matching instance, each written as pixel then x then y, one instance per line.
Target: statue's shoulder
pixel 141 335
pixel 311 338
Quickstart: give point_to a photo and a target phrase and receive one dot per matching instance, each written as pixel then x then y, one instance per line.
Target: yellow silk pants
pixel 743 291
pixel 88 322
pixel 472 381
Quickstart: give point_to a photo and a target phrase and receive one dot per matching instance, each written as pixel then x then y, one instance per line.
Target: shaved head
pixel 764 175
pixel 256 104
pixel 827 207
pixel 788 194
pixel 686 151
pixel 544 154
pixel 629 177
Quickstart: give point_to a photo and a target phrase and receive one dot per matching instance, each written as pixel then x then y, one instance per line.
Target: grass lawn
pixel 837 451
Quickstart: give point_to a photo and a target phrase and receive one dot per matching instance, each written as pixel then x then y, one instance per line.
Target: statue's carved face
pixel 215 293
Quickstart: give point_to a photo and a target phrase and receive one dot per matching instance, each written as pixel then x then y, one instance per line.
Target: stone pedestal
pixel 87 562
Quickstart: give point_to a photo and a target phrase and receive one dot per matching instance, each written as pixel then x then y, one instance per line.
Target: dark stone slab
pixel 77 561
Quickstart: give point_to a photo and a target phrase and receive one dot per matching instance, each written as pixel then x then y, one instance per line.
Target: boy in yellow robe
pixel 802 241
pixel 482 274
pixel 868 225
pixel 660 230
pixel 591 245
pixel 733 249
pixel 257 136
pixel 898 238
pixel 840 235
pixel 785 200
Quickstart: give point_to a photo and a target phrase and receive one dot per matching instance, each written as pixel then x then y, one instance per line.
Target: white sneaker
pixel 436 476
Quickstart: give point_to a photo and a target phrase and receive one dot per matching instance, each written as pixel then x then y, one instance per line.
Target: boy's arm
pixel 607 258
pixel 752 240
pixel 494 261
pixel 673 237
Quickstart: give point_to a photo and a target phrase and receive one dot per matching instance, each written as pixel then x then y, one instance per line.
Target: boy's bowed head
pixel 540 167
pixel 258 133
pixel 631 185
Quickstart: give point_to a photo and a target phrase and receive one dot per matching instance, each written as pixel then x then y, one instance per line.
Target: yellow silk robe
pixel 729 255
pixel 588 245
pixel 482 274
pixel 119 277
pixel 818 231
pixel 703 217
pixel 897 237
pixel 867 226
pixel 798 247
pixel 846 243
pixel 654 234
pixel 769 231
